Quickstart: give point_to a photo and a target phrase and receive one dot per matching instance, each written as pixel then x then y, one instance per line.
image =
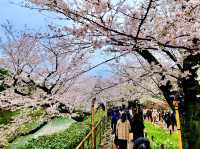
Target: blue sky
pixel 103 70
pixel 20 17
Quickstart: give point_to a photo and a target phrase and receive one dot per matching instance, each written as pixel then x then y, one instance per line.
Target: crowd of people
pixel 167 118
pixel 128 121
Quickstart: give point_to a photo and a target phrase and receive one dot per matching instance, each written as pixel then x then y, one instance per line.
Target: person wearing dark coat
pixel 167 119
pixel 114 119
pixel 173 120
pixel 141 143
pixel 137 126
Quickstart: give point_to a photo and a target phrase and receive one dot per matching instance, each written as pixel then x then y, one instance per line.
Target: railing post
pixel 93 125
pixel 91 138
pixel 91 147
pixel 101 123
pixel 176 102
pixel 94 139
pixel 82 147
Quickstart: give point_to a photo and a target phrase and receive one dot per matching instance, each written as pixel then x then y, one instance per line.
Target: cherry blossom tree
pixel 41 66
pixel 143 27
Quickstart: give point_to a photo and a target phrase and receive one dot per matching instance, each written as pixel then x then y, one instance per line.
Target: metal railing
pixel 90 142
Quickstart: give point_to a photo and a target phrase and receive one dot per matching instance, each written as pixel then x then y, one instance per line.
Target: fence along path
pixel 94 142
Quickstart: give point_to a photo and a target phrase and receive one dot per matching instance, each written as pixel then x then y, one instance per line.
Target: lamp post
pixel 176 105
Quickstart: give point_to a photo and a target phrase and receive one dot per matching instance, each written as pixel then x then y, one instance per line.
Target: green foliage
pixel 67 139
pixel 161 136
pixel 2 87
pixel 4 73
pixel 7 116
pixel 36 113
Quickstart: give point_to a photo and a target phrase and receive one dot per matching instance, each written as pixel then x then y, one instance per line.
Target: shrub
pixel 7 116
pixel 67 139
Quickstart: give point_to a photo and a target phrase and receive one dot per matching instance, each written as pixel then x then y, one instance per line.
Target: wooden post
pixel 101 123
pixel 93 125
pixel 176 102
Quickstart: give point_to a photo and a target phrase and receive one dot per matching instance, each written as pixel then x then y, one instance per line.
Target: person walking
pixel 137 126
pixel 114 119
pixel 144 114
pixel 155 116
pixel 173 120
pixel 122 131
pixel 149 115
pixel 167 119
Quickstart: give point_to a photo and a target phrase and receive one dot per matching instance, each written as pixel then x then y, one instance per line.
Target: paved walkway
pixel 107 140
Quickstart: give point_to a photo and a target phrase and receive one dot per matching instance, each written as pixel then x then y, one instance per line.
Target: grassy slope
pixel 18 127
pixel 7 116
pixel 161 136
pixel 36 117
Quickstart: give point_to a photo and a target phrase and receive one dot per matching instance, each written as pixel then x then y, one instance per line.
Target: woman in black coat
pixel 137 126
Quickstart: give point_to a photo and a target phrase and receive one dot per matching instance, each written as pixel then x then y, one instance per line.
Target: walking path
pixel 107 140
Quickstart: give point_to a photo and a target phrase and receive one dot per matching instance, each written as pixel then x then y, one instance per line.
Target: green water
pixel 54 126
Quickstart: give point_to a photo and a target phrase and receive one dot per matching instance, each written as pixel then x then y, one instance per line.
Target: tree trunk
pixel 190 112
